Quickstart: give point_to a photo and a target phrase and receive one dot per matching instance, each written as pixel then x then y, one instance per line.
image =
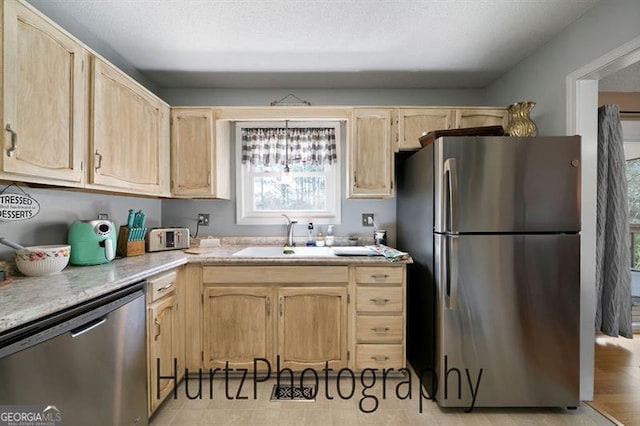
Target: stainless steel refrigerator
pixel 493 296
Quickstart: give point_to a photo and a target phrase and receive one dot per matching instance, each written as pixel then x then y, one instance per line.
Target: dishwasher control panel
pixel 159 239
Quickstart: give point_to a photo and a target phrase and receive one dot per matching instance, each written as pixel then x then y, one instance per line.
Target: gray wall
pixel 542 76
pixel 59 208
pixel 319 97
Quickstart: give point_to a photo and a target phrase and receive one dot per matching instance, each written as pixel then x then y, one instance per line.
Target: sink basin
pixel 278 251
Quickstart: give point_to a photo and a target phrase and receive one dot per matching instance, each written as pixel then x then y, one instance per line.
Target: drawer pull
pixel 379 358
pixel 379 277
pixel 166 287
pixel 380 330
pixel 380 301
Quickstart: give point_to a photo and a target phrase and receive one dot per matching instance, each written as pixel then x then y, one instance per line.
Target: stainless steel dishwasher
pixel 88 362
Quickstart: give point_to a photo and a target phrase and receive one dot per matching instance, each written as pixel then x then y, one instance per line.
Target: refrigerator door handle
pixel 452 273
pixel 450 171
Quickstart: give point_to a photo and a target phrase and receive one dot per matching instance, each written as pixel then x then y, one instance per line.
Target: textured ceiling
pixel 320 43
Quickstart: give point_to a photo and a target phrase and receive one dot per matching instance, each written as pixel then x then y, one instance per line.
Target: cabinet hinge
pixel 202 299
pixel 82 166
pixel 171 121
pixel 202 356
pixel 82 65
pixel 348 299
pixel 348 355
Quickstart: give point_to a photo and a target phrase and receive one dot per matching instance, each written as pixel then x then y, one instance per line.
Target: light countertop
pixel 30 298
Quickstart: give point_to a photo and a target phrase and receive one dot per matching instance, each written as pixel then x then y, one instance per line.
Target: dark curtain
pixel 613 258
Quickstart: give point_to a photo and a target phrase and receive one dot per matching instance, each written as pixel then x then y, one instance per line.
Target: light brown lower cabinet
pixel 255 317
pixel 312 327
pixel 165 336
pixel 380 318
pixel 298 317
pixel 237 326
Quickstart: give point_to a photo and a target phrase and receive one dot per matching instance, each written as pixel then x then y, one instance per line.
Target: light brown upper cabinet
pixel 412 123
pixel 479 117
pixel 200 162
pixel 370 163
pixel 129 134
pixel 44 88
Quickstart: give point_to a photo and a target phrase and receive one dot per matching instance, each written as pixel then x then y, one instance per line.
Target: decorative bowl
pixel 37 261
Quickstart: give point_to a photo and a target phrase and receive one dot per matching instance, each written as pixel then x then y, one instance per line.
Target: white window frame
pixel 246 215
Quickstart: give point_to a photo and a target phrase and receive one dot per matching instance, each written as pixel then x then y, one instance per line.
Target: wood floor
pixel 617 379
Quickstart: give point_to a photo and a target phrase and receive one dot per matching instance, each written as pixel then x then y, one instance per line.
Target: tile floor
pixel 218 410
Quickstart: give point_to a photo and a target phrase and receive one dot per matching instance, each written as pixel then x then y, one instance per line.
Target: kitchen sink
pixel 279 251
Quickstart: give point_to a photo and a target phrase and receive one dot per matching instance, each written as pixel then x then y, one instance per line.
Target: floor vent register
pixel 293 393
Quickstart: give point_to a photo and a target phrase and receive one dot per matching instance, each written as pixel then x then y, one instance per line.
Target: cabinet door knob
pixel 14 140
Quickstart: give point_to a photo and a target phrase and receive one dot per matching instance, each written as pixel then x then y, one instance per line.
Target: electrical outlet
pixel 367 219
pixel 203 219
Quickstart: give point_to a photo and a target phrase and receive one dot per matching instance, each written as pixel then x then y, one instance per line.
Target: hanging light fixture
pixel 286 177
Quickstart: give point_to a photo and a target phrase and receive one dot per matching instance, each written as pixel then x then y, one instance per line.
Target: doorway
pixel 582 103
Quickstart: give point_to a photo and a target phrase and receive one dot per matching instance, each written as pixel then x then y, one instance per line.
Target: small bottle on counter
pixel 329 238
pixel 320 240
pixel 310 240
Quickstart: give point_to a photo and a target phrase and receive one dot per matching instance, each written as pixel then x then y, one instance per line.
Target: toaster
pixel 92 242
pixel 159 239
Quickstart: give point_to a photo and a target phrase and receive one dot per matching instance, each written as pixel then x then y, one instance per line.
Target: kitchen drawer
pixel 161 285
pixel 379 329
pixel 379 356
pixel 275 274
pixel 379 299
pixel 379 275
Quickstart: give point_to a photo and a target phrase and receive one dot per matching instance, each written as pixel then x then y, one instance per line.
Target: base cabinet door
pixel 162 335
pixel 44 92
pixel 312 327
pixel 237 326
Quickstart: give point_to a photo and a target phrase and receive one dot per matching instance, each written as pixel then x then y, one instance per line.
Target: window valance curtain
pixel 306 146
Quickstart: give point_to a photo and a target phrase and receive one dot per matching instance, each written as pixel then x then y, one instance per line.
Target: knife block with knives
pixel 131 236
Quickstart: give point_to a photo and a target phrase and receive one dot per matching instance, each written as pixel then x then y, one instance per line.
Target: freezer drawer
pixel 508 311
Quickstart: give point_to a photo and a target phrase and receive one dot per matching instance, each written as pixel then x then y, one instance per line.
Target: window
pixel 291 168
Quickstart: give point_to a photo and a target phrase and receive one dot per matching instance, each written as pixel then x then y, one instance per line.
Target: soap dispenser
pixel 310 240
pixel 329 238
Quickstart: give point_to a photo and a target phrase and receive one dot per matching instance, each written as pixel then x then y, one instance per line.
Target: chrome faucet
pixel 290 224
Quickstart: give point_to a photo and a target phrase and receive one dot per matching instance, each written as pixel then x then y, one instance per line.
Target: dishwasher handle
pixel 88 326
